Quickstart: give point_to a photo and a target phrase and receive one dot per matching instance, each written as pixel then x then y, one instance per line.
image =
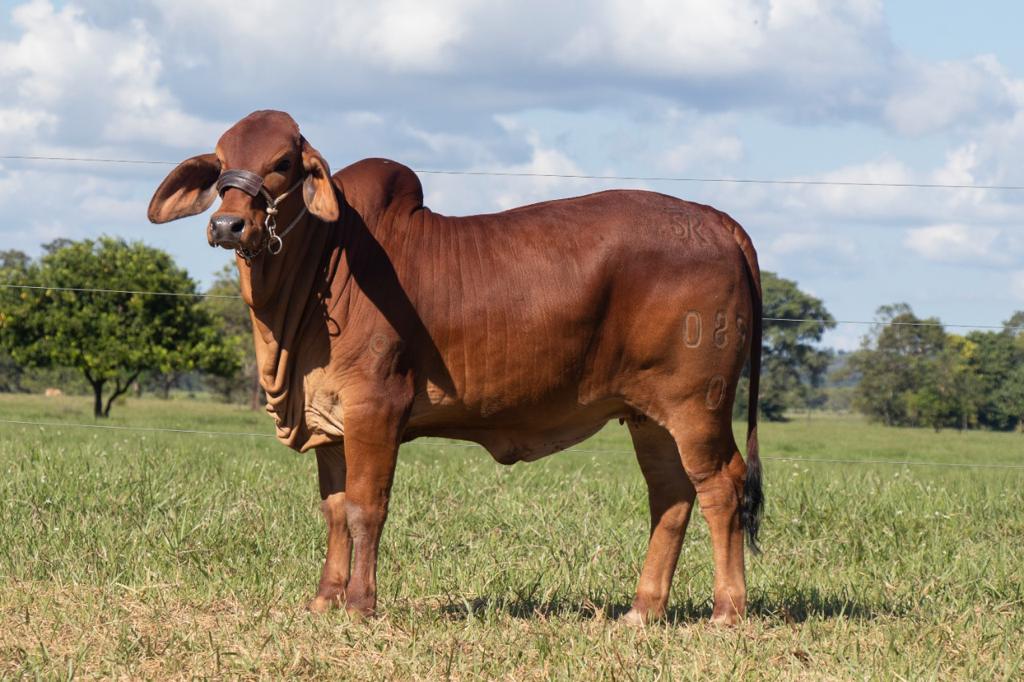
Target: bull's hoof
pixel 359 615
pixel 725 618
pixel 361 609
pixel 322 603
pixel 637 617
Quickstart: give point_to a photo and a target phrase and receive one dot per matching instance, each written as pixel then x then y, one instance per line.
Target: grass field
pixel 147 554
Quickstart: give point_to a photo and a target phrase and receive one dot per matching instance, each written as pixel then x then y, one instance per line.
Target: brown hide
pixel 519 330
pixel 524 331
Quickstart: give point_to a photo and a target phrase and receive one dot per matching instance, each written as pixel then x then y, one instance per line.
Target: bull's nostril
pixel 227 227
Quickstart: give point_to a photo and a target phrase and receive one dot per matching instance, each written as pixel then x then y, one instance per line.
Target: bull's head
pixel 254 167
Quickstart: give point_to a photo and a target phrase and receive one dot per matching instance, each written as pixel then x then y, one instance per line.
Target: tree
pixel 110 336
pixel 13 267
pixel 12 264
pixel 998 362
pixel 893 362
pixel 912 373
pixel 949 391
pixel 231 317
pixel 793 364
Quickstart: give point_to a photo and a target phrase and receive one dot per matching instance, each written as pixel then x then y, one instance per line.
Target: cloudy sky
pixel 851 90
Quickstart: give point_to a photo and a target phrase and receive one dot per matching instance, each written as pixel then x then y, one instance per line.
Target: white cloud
pixel 892 200
pixel 819 60
pixel 409 34
pixel 19 123
pixel 70 79
pixel 396 35
pixel 933 96
pixel 709 147
pixel 959 243
pixel 811 253
pixel 828 203
pixel 672 37
pixel 542 161
pixel 449 193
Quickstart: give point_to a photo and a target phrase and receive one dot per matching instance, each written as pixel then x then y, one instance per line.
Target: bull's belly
pixel 524 435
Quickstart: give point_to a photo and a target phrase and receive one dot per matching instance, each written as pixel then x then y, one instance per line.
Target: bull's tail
pixel 753 497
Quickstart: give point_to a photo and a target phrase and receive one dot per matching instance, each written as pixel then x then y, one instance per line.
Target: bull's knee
pixel 718 498
pixel 719 488
pixel 333 509
pixel 364 520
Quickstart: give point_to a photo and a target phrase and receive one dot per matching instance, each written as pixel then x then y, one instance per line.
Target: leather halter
pixel 252 184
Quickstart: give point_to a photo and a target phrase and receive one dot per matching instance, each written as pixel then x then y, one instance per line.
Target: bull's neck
pixel 271 280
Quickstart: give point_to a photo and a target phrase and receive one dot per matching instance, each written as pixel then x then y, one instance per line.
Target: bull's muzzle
pixel 226 230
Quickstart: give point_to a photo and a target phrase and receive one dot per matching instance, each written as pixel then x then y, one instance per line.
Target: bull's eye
pixel 282 166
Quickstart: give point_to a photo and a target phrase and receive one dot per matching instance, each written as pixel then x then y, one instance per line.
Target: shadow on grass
pixel 797 606
pixel 794 607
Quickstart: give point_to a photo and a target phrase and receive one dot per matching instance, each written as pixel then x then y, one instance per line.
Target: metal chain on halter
pixel 271 224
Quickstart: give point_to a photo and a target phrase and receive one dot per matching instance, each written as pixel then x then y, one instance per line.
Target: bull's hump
pixel 378 183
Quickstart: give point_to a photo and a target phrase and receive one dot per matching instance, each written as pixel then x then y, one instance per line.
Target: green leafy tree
pixel 231 317
pixel 998 363
pixel 893 362
pixel 793 364
pixel 13 267
pixel 110 337
pixel 13 263
pixel 949 393
pixel 912 373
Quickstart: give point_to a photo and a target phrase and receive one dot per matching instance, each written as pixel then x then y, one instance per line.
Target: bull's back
pixel 568 300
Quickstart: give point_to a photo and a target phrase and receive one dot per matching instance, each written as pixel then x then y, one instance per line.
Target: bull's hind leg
pixel 713 462
pixel 330 462
pixel 670 495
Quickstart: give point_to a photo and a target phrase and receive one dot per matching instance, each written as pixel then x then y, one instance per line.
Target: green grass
pixel 146 554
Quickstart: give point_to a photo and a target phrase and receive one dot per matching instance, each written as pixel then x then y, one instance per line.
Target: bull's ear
pixel 318 189
pixel 189 189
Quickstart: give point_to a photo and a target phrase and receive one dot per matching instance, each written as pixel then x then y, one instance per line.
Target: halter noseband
pixel 252 184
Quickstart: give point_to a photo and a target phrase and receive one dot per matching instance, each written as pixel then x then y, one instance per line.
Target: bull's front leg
pixel 330 462
pixel 371 469
pixel 371 450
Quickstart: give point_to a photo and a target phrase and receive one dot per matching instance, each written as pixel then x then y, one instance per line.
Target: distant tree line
pixel 908 371
pixel 112 344
pixel 911 372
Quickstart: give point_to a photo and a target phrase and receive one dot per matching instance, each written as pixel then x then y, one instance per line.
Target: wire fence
pixel 784 320
pixel 130 292
pixel 235 434
pixel 584 176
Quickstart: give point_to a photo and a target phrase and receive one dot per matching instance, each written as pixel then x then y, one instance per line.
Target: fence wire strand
pixel 788 320
pixel 807 460
pixel 132 292
pixel 583 176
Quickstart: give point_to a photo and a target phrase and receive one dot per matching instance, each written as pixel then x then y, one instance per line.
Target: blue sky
pixel 805 89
